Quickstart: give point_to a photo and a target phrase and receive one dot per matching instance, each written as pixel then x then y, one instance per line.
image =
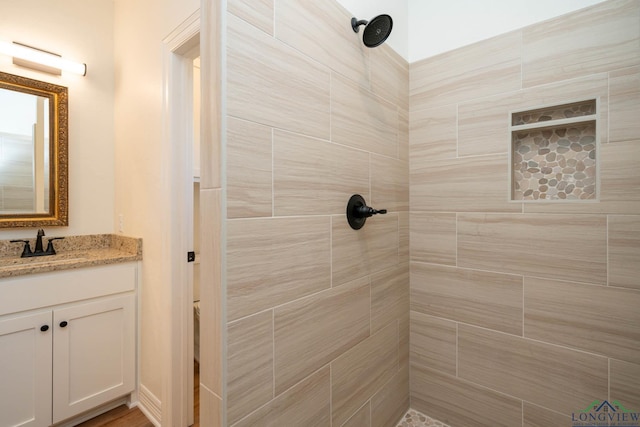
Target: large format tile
pixel 274 261
pixel 390 75
pixel 470 184
pixel 433 343
pixel 311 332
pixel 624 251
pixel 554 377
pixel 619 178
pixel 211 291
pixel 597 319
pixel 403 236
pixel 273 84
pixel 389 184
pixel 404 337
pixel 596 39
pixel 536 416
pixel 624 104
pixel 308 403
pixel 315 177
pixel 362 371
pixel 490 300
pixel 459 403
pixel 361 119
pixel 433 135
pixel 389 296
pixel 392 401
pixel 256 12
pixel 327 36
pixel 362 418
pixel 625 384
pixel 483 124
pixel 433 237
pixel 564 247
pixel 485 68
pixel 403 134
pixel 358 253
pixel 249 364
pixel 249 178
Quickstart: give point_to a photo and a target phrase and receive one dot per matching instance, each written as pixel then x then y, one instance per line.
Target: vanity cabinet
pixel 67 358
pixel 26 370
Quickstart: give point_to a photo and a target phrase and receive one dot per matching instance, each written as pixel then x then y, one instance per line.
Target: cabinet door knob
pixel 44 328
pixel 63 324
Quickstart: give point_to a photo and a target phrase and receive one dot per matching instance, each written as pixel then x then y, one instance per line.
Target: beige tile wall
pixel 523 313
pixel 317 313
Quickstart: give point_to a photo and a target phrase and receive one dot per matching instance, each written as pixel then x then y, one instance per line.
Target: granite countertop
pixel 72 252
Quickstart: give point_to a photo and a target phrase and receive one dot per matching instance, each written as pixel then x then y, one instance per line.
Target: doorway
pixel 182 112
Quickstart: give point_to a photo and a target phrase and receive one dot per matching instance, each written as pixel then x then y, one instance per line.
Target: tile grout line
pixel 457 130
pixel 607 264
pixel 273 351
pixel 522 307
pixel 457 345
pixel 330 394
pixel 273 173
pixel 502 273
pixel 331 252
pixel 512 335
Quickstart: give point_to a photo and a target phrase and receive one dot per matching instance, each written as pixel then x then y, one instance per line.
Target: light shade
pixel 37 56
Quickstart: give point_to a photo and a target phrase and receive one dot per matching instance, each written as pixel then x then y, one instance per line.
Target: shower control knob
pixel 366 211
pixel 358 211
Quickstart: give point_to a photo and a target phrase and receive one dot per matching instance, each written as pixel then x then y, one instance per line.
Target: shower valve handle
pixel 366 211
pixel 358 211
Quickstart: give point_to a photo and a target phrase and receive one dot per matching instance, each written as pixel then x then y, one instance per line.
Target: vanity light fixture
pixel 41 60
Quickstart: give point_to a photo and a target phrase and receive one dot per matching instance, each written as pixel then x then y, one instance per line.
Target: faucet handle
pixel 26 252
pixel 50 249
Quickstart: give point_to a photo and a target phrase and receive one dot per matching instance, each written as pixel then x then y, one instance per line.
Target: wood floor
pixel 125 417
pixel 119 417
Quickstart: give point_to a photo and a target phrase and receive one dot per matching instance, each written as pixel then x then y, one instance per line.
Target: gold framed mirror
pixel 33 153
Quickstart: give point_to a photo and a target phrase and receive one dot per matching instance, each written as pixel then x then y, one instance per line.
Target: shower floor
pixel 414 418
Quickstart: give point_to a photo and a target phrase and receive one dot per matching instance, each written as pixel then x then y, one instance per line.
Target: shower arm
pixel 355 24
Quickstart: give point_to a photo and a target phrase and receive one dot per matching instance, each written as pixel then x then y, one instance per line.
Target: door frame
pixel 180 48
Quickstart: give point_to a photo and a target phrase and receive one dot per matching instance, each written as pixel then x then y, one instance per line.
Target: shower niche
pixel 553 153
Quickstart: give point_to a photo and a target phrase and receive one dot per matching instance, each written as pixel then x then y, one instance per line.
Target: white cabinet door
pixel 25 370
pixel 93 354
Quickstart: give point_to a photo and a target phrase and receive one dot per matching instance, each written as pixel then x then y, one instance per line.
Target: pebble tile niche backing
pixel 414 418
pixel 554 162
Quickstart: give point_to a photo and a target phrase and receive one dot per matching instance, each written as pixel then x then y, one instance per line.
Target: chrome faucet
pixel 39 251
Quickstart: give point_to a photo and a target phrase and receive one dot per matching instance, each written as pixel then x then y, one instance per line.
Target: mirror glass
pixel 33 152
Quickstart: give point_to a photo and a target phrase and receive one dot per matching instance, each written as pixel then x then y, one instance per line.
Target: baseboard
pixel 150 406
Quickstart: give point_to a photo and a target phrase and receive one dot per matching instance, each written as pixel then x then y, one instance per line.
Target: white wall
pixel 82 31
pixel 423 28
pixel 142 196
pixel 437 26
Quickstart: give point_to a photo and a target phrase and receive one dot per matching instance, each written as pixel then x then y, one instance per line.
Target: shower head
pixel 376 31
